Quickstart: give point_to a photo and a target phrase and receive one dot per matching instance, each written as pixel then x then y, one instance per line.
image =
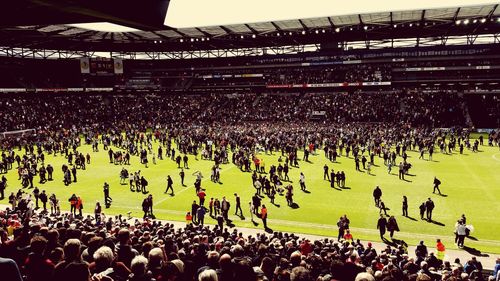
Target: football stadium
pixel 233 140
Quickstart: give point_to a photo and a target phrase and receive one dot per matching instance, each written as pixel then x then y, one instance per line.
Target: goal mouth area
pixel 17 133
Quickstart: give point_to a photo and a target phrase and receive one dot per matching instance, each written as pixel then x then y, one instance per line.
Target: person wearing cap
pixel 367 249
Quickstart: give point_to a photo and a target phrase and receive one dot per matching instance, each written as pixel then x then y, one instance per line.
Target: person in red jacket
pixel 36 266
pixel 306 247
pixel 348 236
pixel 189 218
pixel 79 205
pixel 440 249
pixel 263 215
pixel 201 195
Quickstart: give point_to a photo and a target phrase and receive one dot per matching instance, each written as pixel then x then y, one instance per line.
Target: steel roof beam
pixel 331 22
pixel 455 17
pixel 251 29
pixel 492 12
pixel 227 30
pixel 276 26
pixel 204 32
pixel 305 27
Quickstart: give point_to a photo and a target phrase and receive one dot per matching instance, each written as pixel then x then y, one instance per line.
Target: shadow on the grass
pixel 436 222
pixel 472 238
pixel 474 252
pixel 394 242
pixel 411 218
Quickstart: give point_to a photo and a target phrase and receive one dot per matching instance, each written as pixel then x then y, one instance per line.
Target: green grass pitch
pixel 471 182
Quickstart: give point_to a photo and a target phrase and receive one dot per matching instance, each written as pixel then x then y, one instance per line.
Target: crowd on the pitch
pixel 211 127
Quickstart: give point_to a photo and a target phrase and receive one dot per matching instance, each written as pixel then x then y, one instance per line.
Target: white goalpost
pixel 17 133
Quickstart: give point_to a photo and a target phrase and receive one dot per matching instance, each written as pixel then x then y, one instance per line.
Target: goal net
pixel 17 133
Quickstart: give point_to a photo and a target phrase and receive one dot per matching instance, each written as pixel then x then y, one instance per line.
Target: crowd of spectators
pixel 333 74
pixel 62 247
pixel 67 111
pixel 148 111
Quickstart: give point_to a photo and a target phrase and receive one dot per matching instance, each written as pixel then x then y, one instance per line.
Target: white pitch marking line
pixel 188 187
pixel 494 156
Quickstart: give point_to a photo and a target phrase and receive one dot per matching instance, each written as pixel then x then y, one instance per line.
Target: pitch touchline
pixel 330 227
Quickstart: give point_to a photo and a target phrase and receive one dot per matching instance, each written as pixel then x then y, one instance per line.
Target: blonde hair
pixel 208 275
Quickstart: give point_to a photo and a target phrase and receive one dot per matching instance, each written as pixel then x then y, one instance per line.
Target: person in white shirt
pixel 251 209
pixel 461 232
pixel 302 182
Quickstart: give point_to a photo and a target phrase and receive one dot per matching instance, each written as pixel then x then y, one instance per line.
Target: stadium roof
pixel 421 23
pixel 195 13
